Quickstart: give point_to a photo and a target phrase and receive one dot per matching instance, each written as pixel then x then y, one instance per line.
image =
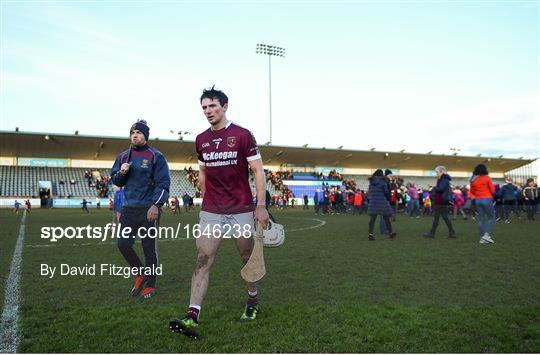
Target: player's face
pixel 137 138
pixel 214 112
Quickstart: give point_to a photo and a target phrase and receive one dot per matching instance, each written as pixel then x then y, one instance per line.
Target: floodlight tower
pixel 270 51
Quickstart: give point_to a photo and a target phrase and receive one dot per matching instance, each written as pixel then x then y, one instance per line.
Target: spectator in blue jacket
pixel 144 173
pixel 379 203
pixel 185 200
pixel 441 199
pixel 509 193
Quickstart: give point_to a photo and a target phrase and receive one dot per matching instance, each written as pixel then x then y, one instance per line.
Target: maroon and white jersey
pixel 225 154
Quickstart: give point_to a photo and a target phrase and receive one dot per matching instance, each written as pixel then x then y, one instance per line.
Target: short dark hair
pixel 377 172
pixel 215 94
pixel 480 169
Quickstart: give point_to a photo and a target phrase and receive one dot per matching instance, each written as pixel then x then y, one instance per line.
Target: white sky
pixel 414 75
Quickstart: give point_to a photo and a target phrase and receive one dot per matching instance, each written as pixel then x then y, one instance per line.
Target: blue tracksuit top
pixel 118 200
pixel 148 180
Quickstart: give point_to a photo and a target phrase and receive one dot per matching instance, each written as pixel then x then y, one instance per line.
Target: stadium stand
pixel 22 181
pixel 180 184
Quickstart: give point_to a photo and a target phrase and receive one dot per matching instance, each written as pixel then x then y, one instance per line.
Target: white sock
pixel 196 306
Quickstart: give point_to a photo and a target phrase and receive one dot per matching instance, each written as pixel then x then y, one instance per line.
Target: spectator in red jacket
pixel 357 202
pixel 482 189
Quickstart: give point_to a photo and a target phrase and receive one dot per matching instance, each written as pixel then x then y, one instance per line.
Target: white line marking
pixel 321 223
pixel 9 339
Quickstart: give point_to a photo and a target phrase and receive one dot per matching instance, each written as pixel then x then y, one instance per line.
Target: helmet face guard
pixel 274 235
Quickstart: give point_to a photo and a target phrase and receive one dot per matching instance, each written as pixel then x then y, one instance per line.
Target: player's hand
pixel 124 169
pixel 261 215
pixel 152 214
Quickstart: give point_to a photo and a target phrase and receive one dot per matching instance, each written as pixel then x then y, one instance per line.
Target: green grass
pixel 327 290
pixel 9 226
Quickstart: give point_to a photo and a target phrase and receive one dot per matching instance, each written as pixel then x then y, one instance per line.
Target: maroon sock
pixel 253 300
pixel 193 313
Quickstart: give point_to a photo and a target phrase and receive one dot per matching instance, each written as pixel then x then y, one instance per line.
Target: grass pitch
pixel 328 289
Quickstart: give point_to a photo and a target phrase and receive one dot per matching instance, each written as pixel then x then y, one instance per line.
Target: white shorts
pixel 226 225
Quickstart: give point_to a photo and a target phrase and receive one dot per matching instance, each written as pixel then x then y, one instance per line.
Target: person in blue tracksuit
pixel 118 202
pixel 143 173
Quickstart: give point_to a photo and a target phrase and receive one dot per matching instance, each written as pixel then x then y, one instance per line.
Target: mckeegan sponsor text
pixel 99 270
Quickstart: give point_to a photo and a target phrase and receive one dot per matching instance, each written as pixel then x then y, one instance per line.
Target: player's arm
pixel 261 214
pixel 117 176
pixel 162 183
pixel 202 177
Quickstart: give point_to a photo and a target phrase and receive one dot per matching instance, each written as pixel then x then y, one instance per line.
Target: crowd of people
pixel 509 200
pixel 276 179
pixel 102 183
pixel 409 198
pixel 480 200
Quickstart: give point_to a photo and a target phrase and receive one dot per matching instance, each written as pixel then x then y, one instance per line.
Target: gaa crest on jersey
pixel 231 141
pixel 144 164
